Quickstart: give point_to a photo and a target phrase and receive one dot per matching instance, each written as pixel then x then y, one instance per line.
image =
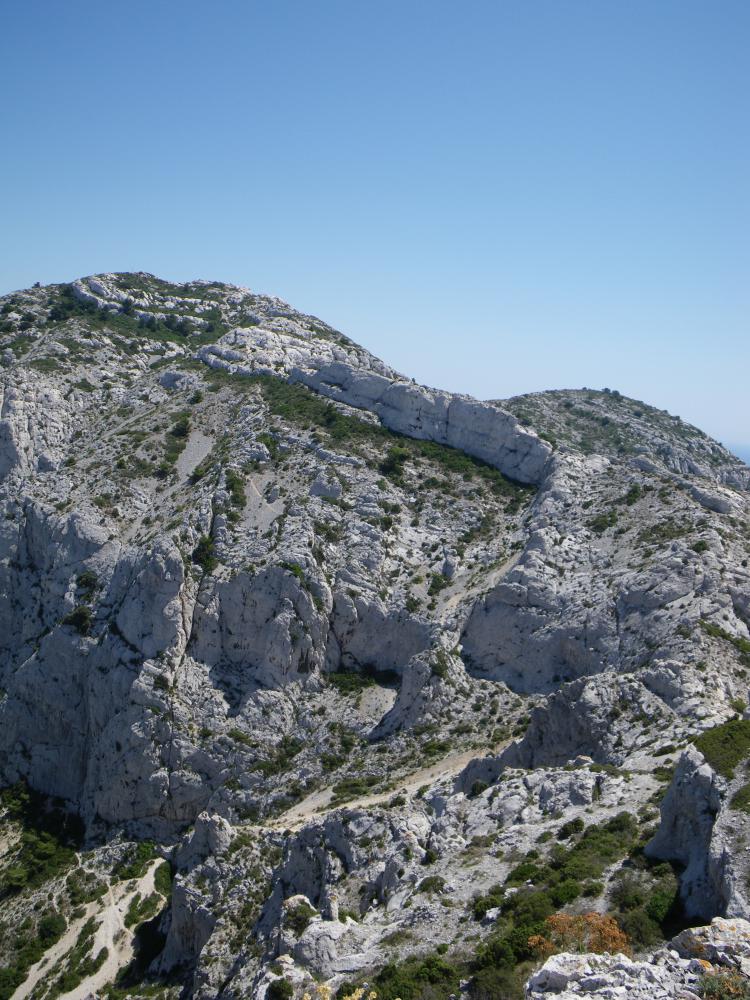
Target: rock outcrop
pixel 680 971
pixel 361 659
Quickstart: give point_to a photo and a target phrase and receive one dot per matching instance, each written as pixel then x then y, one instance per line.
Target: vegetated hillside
pixel 607 423
pixel 345 679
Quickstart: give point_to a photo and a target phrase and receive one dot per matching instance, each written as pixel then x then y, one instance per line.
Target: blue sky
pixel 496 197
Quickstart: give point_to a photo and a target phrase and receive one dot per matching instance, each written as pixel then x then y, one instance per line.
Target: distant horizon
pixel 742 451
pixel 494 198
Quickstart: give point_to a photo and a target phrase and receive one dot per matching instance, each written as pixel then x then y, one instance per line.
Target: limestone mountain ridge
pixel 347 654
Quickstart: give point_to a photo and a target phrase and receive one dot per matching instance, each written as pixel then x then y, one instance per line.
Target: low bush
pixel 29 947
pixel 493 898
pixel 417 978
pixel 80 619
pixel 136 862
pixel 433 883
pixel 581 933
pixel 349 788
pixel 49 838
pixel 741 799
pixel 717 632
pixel 601 522
pixel 280 989
pixel 235 487
pixel 725 985
pixel 286 751
pixel 163 879
pixel 726 745
pixel 439 663
pixel 496 983
pixel 477 787
pixel 297 918
pixel 570 828
pixel 349 681
pixel 142 909
pixel 647 903
pixel 204 554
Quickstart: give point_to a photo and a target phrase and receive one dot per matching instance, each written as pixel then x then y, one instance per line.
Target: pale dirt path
pixel 198 446
pixel 111 934
pixel 51 956
pixel 492 579
pixel 319 803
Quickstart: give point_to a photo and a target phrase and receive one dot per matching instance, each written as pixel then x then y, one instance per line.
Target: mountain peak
pixel 308 670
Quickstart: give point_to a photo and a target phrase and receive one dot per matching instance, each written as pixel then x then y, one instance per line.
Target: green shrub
pixel 141 910
pixel 629 892
pixel 393 464
pixel 433 883
pixel 438 582
pixel 639 927
pixel 204 554
pixel 724 746
pixel 280 989
pixel 80 619
pixel 633 495
pixel 239 737
pixel 496 983
pixel 272 445
pixel 51 928
pixel 49 838
pixel 417 978
pixel 294 568
pixel 741 799
pixel 182 428
pixel 601 522
pixel 287 749
pixel 298 917
pixel 725 985
pixel 87 580
pixel 570 828
pixel 717 632
pixel 349 681
pixel 163 879
pixel 439 664
pixel 136 862
pixel 489 901
pixel 565 892
pixel 351 788
pixel 235 487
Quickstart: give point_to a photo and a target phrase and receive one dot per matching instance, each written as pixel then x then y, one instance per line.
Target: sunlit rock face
pixel 363 659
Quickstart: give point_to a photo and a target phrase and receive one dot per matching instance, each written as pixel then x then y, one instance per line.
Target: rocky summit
pixel 316 682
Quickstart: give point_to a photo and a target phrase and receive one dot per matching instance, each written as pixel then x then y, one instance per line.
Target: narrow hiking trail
pixel 111 933
pixel 320 802
pixel 109 912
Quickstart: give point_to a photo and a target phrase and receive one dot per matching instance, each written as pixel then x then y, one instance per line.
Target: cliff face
pixel 248 572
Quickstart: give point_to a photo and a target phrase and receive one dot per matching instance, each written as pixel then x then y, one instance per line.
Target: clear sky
pixel 496 197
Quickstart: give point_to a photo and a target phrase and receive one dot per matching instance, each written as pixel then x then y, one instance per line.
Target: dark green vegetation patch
pixel 48 842
pixel 725 746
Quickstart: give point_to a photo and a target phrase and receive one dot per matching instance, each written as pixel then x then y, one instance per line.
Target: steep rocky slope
pixel 387 675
